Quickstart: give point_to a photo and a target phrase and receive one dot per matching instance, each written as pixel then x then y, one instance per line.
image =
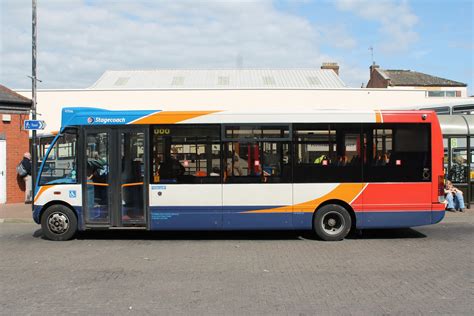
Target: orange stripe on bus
pixel 378 116
pixel 171 117
pixel 346 192
pixel 41 191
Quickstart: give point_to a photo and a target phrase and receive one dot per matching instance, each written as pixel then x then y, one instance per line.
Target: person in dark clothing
pixel 457 173
pixel 171 168
pixel 26 163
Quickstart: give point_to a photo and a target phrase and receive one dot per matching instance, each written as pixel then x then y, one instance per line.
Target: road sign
pixel 34 124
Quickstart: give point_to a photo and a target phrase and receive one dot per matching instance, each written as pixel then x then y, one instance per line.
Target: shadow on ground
pixel 402 233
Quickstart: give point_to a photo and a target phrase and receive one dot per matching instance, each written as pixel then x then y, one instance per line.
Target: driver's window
pixel 60 165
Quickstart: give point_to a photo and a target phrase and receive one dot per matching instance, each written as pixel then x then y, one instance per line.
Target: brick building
pixel 14 142
pixel 435 87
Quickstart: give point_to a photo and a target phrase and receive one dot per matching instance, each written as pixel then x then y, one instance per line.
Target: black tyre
pixel 332 222
pixel 59 223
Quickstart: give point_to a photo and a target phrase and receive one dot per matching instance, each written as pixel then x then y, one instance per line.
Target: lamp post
pixel 33 98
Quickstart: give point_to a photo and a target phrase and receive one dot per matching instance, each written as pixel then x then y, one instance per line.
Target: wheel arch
pixel 345 205
pixel 56 202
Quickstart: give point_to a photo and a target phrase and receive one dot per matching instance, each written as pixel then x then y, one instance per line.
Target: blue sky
pixel 79 40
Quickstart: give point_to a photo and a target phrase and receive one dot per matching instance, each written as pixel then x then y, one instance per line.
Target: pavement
pixel 16 213
pixel 424 270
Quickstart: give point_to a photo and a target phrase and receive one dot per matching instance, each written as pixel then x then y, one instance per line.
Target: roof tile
pixel 414 78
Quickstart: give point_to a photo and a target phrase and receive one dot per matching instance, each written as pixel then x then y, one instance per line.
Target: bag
pixel 20 169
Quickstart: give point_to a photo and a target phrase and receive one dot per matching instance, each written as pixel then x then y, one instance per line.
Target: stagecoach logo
pixel 105 120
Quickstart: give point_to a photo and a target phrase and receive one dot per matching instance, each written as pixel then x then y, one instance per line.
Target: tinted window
pixel 185 154
pixel 327 153
pixel 60 165
pixel 257 162
pixel 397 153
pixel 463 109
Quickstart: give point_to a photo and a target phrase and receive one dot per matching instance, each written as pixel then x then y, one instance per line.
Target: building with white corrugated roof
pixel 167 79
pixel 223 89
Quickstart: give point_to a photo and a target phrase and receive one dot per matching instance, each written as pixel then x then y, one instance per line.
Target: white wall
pixel 462 89
pixel 50 102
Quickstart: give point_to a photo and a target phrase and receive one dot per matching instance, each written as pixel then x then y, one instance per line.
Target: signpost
pixel 33 125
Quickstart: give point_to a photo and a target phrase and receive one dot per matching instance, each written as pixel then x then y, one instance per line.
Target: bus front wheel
pixel 59 223
pixel 332 222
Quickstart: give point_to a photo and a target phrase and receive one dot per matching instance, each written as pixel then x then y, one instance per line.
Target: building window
pixel 444 94
pixel 450 94
pixel 437 94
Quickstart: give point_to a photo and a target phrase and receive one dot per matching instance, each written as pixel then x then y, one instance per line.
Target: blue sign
pixel 34 124
pixel 72 194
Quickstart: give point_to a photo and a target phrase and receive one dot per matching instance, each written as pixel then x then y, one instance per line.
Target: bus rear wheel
pixel 332 222
pixel 58 223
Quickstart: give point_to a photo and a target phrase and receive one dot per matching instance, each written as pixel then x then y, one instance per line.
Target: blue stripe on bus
pixel 437 216
pixel 231 218
pixel 95 116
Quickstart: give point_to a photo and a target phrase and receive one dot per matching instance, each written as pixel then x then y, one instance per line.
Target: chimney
pixel 333 66
pixel 372 68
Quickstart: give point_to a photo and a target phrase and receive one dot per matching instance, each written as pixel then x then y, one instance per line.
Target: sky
pixel 79 40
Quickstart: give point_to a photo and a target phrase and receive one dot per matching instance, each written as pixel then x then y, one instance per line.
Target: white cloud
pixel 78 41
pixel 396 19
pixel 338 36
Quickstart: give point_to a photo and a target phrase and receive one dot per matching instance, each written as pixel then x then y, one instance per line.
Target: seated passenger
pixel 355 160
pixel 215 172
pixel 454 198
pixel 342 161
pixel 171 168
pixel 319 160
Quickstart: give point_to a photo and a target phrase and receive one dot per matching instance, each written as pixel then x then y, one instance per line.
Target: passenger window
pixel 257 162
pixel 186 154
pixel 327 153
pixel 257 153
pixel 397 153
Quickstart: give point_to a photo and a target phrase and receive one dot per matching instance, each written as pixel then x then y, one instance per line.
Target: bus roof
pixel 78 116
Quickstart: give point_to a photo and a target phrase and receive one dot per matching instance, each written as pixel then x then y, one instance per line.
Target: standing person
pixel 233 167
pixel 26 163
pixel 454 198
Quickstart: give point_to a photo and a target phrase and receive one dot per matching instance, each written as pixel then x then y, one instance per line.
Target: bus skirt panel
pixel 390 219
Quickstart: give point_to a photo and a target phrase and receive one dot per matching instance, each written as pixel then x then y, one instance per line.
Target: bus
pixel 326 171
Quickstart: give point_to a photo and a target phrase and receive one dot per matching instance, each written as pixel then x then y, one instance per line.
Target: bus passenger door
pixel 114 175
pixel 96 175
pixel 131 196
